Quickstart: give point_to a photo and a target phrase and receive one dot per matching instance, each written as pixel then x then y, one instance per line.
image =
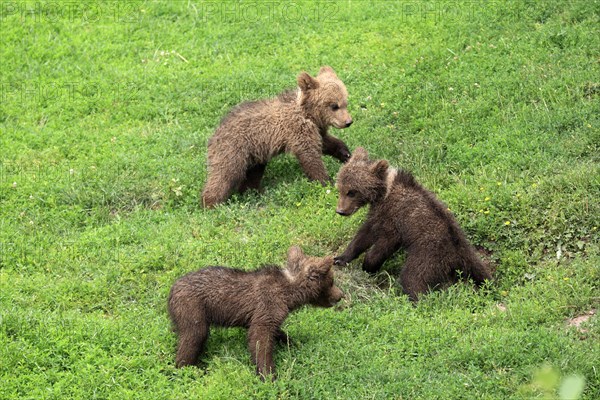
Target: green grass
pixel 104 116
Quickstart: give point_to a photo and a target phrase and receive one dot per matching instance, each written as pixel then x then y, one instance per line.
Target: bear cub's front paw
pixel 345 155
pixel 340 261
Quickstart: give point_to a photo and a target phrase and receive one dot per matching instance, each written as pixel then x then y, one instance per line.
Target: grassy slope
pixel 494 106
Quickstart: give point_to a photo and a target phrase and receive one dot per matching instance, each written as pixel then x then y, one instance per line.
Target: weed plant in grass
pixel 104 116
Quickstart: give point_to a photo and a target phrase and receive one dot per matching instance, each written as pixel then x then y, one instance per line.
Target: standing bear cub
pixel 259 300
pixel 295 122
pixel 403 214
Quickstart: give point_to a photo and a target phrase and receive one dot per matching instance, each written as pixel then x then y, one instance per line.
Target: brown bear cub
pixel 259 300
pixel 295 122
pixel 405 215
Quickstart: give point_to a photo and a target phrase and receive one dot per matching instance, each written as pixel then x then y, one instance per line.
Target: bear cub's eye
pixel 351 193
pixel 335 107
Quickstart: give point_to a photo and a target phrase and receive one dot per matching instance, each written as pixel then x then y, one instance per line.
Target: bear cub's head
pixel 315 276
pixel 324 98
pixel 360 181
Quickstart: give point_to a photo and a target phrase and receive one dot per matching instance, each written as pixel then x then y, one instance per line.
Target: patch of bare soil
pixel 577 321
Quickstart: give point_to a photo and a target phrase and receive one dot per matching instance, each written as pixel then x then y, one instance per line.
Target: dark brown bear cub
pixel 405 215
pixel 259 300
pixel 295 122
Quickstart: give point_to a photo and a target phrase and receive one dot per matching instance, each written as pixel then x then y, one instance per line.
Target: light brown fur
pixel 295 122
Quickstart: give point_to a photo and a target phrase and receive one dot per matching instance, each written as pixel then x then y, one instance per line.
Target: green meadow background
pixel 105 111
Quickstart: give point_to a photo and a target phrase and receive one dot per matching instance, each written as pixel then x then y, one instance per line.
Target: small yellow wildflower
pixel 486 199
pixel 507 223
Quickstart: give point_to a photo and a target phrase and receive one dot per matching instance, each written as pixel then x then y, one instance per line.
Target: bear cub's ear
pixel 320 270
pixel 327 263
pixel 360 154
pixel 326 69
pixel 379 168
pixel 295 256
pixel 307 82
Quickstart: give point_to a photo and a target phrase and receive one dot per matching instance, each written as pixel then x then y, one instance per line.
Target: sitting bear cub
pixel 405 215
pixel 295 122
pixel 259 300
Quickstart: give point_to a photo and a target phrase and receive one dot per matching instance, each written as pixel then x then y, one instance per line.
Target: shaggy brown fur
pixel 258 300
pixel 403 214
pixel 294 122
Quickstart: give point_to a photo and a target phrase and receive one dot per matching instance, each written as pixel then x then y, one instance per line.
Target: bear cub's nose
pixel 340 211
pixel 349 122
